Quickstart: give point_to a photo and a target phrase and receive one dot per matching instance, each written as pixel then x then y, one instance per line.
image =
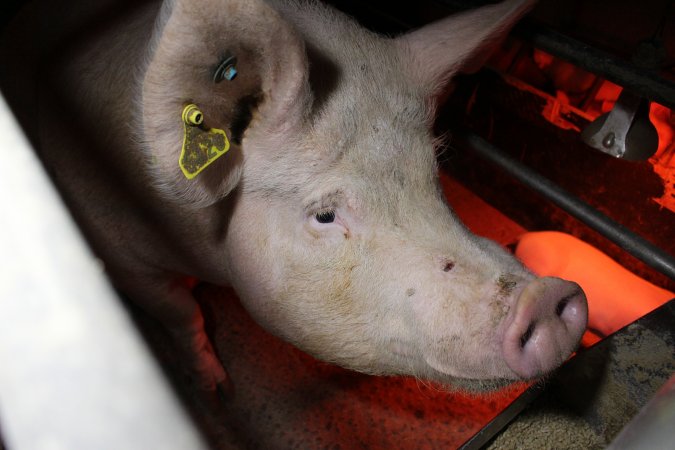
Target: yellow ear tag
pixel 200 146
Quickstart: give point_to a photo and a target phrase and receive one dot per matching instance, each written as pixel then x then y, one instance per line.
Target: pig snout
pixel 545 327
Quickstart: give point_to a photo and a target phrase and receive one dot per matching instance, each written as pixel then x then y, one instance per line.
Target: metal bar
pixel 75 373
pixel 639 80
pixel 647 83
pixel 652 427
pixel 612 230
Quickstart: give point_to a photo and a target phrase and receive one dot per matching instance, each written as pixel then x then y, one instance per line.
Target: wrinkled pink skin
pixel 394 285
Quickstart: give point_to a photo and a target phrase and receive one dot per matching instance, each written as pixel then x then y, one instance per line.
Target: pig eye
pixel 325 216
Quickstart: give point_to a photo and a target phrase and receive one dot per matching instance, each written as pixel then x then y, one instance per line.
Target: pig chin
pixel 451 372
pixel 491 372
pixel 473 366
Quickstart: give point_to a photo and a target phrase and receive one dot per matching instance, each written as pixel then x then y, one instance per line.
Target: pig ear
pixel 459 43
pixel 189 64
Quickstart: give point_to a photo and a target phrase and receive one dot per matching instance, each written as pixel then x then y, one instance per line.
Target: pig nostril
pixel 527 335
pixel 448 266
pixel 560 307
pixel 562 304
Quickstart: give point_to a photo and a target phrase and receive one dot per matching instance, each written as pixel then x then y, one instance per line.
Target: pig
pixel 325 214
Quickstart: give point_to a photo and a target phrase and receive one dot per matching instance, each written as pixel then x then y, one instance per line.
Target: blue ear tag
pixel 201 146
pixel 226 70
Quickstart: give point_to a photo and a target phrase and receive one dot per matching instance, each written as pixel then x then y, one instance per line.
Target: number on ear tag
pixel 201 146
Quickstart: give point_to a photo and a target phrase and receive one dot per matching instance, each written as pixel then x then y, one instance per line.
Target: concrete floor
pixel 286 399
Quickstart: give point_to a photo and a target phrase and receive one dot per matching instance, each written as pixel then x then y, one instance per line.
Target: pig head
pixel 326 214
pixel 339 240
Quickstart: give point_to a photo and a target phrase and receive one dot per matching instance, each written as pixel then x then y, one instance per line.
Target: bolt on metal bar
pixel 632 243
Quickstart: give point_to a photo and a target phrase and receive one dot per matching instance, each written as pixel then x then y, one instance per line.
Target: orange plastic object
pixel 616 297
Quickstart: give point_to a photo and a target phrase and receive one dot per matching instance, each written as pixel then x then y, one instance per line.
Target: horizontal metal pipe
pixel 612 230
pixel 639 80
pixel 646 82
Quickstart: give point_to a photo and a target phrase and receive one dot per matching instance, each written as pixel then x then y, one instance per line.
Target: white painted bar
pixel 74 371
